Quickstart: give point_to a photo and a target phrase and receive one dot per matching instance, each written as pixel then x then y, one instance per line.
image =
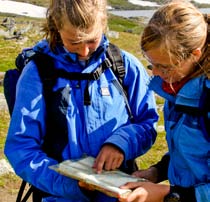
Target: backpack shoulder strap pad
pixel 113 52
pixel 117 66
pixel 47 72
pixel 23 58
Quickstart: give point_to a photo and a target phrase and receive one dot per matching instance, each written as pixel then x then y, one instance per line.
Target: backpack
pixel 48 75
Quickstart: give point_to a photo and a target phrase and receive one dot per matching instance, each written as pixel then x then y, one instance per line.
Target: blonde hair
pixel 80 14
pixel 179 28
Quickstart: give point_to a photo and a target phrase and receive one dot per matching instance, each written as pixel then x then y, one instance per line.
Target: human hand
pixel 145 192
pixel 109 158
pixel 150 174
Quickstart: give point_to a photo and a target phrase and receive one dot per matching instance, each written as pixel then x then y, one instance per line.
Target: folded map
pixel 107 182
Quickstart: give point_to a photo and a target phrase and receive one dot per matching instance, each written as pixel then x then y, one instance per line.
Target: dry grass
pixel 5 118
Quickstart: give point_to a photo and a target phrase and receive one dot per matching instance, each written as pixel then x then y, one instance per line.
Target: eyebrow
pixel 156 64
pixel 87 40
pixel 163 65
pixel 74 40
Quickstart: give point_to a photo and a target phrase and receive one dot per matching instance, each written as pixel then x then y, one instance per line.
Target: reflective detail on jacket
pixel 89 127
pixel 189 148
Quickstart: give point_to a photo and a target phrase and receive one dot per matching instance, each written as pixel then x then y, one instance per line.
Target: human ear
pixel 197 53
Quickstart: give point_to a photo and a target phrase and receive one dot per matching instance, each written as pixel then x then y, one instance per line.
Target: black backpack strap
pixel 113 52
pixel 115 58
pixel 23 58
pixel 21 190
pixel 47 72
pixel 10 80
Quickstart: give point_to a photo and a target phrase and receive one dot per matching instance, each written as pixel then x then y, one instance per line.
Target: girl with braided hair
pixel 176 42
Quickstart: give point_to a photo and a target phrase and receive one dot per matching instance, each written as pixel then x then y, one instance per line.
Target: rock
pixel 1 78
pixel 3 103
pixel 113 34
pixel 5 167
pixel 2 75
pixel 160 128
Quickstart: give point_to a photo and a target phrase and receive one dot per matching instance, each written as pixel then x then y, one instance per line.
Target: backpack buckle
pixel 97 73
pixel 107 62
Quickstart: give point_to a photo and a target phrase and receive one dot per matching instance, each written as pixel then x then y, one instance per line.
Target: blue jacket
pixel 106 120
pixel 188 142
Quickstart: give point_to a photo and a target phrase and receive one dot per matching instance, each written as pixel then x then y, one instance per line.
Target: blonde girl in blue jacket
pixel 102 128
pixel 176 42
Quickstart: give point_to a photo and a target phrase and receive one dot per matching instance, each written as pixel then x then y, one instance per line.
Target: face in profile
pixel 169 69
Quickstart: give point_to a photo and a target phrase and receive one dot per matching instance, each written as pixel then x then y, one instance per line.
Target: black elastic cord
pixel 21 190
pixel 87 100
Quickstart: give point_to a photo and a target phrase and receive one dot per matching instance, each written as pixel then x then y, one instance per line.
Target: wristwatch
pixel 172 197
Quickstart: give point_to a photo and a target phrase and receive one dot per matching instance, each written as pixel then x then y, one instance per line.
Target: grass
pixel 9 49
pixel 120 24
pixel 125 5
pixel 1 89
pixel 5 118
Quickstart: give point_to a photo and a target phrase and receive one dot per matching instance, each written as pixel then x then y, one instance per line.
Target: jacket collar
pixel 188 95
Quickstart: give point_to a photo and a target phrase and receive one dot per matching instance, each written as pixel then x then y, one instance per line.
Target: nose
pixel 83 50
pixel 157 71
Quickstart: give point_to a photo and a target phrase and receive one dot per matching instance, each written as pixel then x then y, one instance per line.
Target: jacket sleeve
pixel 25 137
pixel 202 192
pixel 136 138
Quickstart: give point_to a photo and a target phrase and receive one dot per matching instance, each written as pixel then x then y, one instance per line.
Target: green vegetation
pixel 1 89
pixel 125 5
pixel 4 117
pixel 120 24
pixel 10 48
